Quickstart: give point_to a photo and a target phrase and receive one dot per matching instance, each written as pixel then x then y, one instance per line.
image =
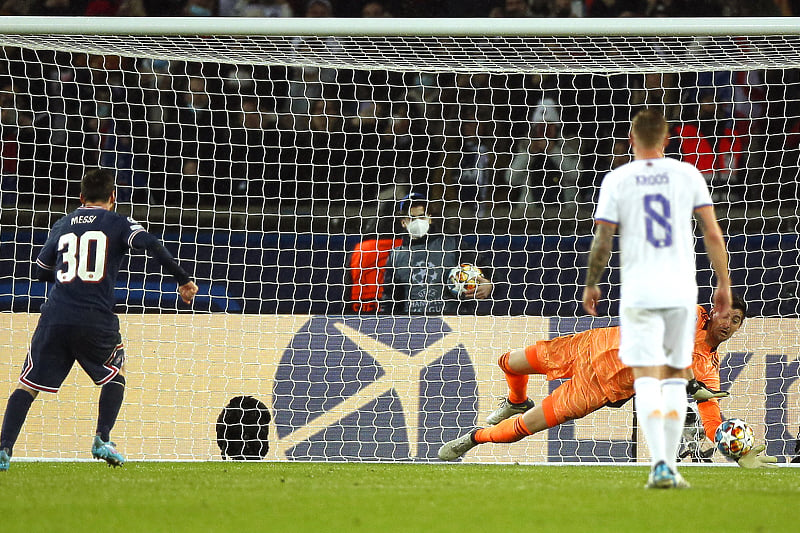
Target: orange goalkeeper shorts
pixel 570 357
pixel 575 398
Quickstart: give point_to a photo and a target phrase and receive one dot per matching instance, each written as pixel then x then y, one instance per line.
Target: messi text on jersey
pixel 83 219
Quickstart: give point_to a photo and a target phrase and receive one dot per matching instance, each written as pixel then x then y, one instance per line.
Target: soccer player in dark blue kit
pixel 82 256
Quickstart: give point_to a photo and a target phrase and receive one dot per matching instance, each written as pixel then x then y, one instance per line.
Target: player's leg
pixel 109 405
pixel 680 327
pixel 553 358
pixel 509 430
pixel 19 403
pixel 104 361
pixel 46 366
pixel 515 367
pixel 650 414
pixel 572 399
pixel 641 348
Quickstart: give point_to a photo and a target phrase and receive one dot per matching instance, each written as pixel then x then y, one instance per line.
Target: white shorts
pixel 657 337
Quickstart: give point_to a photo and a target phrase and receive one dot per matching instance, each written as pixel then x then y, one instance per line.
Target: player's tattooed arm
pixel 598 260
pixel 600 253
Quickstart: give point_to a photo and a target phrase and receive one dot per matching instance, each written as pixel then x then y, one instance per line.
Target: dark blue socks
pixel 108 406
pixel 16 411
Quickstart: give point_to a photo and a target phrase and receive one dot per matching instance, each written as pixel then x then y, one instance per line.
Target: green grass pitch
pixel 321 497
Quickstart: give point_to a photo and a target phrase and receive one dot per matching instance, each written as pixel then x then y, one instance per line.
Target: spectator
pixel 54 8
pixel 16 7
pixel 116 147
pixel 101 8
pixel 374 9
pixel 417 271
pixel 664 8
pixel 657 89
pixel 545 167
pixel 566 8
pixel 326 141
pixel 194 188
pixel 470 168
pixel 517 9
pixel 319 8
pixel 711 141
pixel 611 8
pixel 132 8
pixel 496 12
pixel 749 102
pixel 164 8
pixel 200 8
pixel 620 153
pixel 255 8
pixel 366 272
pixel 17 133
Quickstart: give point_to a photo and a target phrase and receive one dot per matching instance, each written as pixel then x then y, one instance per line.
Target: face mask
pixel 418 227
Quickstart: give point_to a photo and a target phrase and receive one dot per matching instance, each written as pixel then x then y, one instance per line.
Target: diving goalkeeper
pixel 597 378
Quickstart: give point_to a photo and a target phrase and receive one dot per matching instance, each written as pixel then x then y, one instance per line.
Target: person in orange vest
pixel 711 143
pixel 367 272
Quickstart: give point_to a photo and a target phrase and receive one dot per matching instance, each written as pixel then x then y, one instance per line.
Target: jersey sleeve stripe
pixel 605 221
pixel 134 234
pixel 702 206
pixel 42 265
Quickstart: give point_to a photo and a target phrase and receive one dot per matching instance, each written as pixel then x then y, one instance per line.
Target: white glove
pixel 701 393
pixel 752 460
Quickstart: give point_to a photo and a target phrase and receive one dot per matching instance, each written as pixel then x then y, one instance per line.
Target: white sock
pixel 649 411
pixel 673 391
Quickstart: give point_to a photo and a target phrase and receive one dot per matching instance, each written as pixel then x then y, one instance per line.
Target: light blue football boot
pixel 5 460
pixel 106 451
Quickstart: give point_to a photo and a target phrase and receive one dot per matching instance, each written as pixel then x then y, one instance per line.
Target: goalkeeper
pixel 597 378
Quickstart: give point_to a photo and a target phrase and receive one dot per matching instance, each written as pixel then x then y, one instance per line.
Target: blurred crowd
pixel 481 145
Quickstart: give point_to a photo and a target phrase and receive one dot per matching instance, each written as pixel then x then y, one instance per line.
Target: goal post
pixel 262 151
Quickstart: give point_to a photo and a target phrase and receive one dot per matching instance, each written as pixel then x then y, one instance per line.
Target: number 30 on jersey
pixel 79 259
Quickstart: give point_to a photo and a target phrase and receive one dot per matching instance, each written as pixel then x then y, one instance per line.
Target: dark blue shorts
pixel 56 347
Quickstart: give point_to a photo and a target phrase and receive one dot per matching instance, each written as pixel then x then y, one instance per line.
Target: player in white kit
pixel 651 200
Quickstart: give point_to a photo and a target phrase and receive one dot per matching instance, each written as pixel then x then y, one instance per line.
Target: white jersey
pixel 653 201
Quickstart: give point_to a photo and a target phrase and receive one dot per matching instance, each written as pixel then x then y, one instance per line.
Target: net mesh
pixel 263 162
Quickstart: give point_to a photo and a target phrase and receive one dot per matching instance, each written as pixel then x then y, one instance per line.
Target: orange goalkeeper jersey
pixel 705 365
pixel 601 348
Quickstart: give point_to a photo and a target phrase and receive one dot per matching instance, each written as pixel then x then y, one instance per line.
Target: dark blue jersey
pixel 83 253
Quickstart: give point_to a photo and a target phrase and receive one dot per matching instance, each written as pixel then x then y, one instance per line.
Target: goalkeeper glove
pixel 752 460
pixel 701 393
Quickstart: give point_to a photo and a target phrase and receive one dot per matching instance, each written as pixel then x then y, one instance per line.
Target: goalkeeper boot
pixel 106 451
pixel 454 449
pixel 661 477
pixel 5 459
pixel 507 409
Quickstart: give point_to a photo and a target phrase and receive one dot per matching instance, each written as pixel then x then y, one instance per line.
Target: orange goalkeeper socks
pixel 509 430
pixel 517 384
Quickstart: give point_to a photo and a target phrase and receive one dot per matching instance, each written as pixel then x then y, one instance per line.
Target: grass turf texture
pixel 298 497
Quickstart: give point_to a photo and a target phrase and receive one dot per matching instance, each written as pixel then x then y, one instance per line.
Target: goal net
pixel 263 152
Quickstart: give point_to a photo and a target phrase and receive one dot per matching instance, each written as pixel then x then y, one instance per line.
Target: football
pixel 734 438
pixel 463 278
